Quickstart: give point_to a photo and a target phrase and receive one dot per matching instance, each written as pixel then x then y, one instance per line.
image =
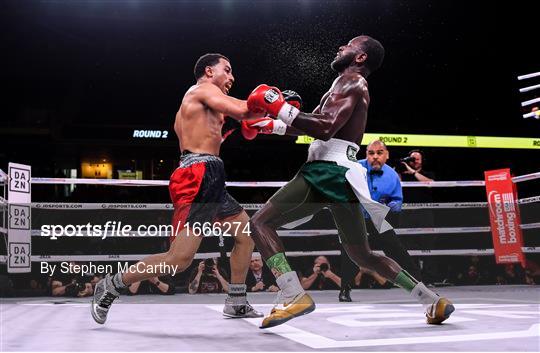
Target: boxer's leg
pixel 393 248
pixel 177 259
pixel 237 226
pixel 292 202
pixel 234 222
pixel 352 229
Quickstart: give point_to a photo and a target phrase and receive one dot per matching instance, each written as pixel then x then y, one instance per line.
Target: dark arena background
pixel 90 93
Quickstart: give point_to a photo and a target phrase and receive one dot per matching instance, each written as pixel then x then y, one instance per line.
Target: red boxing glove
pixel 247 132
pixel 270 99
pixel 265 125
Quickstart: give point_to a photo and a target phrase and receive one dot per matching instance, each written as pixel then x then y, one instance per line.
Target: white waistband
pixel 332 150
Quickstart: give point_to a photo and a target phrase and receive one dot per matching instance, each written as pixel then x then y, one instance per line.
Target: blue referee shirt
pixel 384 187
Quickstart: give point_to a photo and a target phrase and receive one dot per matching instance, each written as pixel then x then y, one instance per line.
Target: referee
pixel 385 187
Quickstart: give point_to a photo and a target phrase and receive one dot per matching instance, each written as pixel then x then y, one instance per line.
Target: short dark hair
pixel 209 59
pixel 420 152
pixel 375 53
pixel 378 142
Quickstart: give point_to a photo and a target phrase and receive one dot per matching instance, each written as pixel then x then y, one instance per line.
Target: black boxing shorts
pixel 197 190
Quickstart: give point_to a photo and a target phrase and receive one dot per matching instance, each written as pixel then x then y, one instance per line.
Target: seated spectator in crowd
pixel 513 274
pixel 321 276
pixel 154 285
pixel 207 278
pixel 72 284
pixel 532 272
pixel 500 280
pixel 259 277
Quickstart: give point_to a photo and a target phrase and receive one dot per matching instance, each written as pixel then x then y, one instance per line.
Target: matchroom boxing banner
pixel 504 217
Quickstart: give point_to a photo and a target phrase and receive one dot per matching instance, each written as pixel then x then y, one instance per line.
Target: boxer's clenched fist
pixel 271 100
pixel 252 127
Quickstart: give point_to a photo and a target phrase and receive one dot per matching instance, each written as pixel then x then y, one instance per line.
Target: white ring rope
pixel 137 257
pixel 523 77
pixel 527 89
pixel 116 182
pixel 530 101
pixel 535 115
pixel 315 232
pixel 246 206
pixel 296 233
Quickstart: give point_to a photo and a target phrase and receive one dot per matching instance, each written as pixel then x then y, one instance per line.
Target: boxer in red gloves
pixel 197 190
pixel 331 178
pixel 267 125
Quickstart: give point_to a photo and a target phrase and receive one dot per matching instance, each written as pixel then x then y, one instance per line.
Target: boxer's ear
pixel 209 71
pixel 361 58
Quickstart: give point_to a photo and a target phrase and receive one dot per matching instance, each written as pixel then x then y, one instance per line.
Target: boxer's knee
pixel 244 239
pixel 180 261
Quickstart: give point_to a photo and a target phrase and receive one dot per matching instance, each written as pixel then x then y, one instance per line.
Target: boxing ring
pixel 487 318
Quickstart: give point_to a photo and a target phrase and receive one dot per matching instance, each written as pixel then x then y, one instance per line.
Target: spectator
pixel 72 285
pixel 259 278
pixel 207 278
pixel 413 170
pixel 513 274
pixel 154 285
pixel 384 187
pixel 472 277
pixel 321 276
pixel 532 272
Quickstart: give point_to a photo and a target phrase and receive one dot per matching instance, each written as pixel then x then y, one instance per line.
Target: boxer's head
pixel 215 68
pixel 361 51
pixel 377 154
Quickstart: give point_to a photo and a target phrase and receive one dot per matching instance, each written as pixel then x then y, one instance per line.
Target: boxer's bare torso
pixel 197 126
pixel 353 87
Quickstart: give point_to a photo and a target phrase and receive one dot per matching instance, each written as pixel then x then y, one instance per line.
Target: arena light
pixel 413 140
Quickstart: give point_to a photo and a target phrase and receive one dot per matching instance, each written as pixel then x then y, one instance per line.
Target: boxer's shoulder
pixel 351 83
pixel 202 90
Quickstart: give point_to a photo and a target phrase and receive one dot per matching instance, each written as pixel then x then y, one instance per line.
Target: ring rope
pixel 116 182
pixel 137 257
pixel 246 206
pixel 304 232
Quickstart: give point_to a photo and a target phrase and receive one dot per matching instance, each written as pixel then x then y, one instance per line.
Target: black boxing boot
pixel 345 293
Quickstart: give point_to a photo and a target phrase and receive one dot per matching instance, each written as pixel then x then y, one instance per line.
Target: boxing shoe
pixel 281 313
pixel 242 311
pixel 104 295
pixel 439 311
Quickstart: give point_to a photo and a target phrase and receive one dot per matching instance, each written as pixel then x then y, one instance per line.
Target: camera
pixel 73 289
pixel 400 168
pixel 408 159
pixel 209 266
pixel 323 267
